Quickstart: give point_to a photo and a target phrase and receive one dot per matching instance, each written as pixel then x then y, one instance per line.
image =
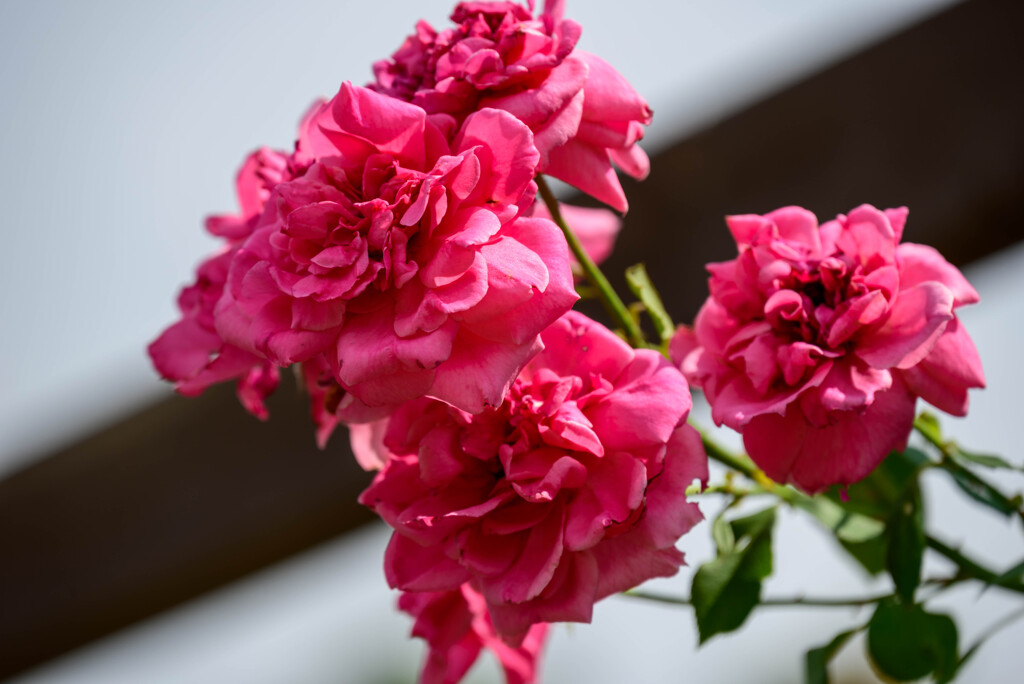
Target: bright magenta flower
pixel 400 255
pixel 815 342
pixel 583 113
pixel 191 353
pixel 572 489
pixel 456 627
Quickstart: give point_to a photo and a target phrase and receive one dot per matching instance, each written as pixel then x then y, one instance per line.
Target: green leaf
pixel 862 537
pixel 928 425
pixel 906 544
pixel 871 553
pixel 818 658
pixel 727 588
pixel 1014 574
pixel 642 287
pixel 981 491
pixel 905 642
pixel 987 460
pixel 878 495
pixel 721 532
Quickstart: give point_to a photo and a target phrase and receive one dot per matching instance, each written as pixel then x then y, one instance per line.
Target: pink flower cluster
pixel 530 462
pixel 816 341
pixel 569 491
pixel 583 114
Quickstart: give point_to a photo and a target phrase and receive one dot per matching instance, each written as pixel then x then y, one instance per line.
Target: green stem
pixel 796 601
pixel 973 569
pixel 742 464
pixel 612 303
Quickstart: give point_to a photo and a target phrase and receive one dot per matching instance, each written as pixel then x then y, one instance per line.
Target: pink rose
pixel 815 342
pixel 400 255
pixel 570 490
pixel 191 353
pixel 583 113
pixel 456 627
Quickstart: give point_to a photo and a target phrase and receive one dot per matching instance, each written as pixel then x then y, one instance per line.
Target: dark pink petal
pixel 736 401
pixel 952 367
pixel 853 315
pixel 844 451
pixel 570 599
pixel 535 567
pixel 669 515
pixel 411 567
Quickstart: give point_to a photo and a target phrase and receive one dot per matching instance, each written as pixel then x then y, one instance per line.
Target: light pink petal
pixel 650 398
pixel 367 441
pixel 869 235
pixel 576 345
pixel 609 96
pixel 389 124
pixel 478 372
pixel 533 254
pixel 849 386
pixel 916 320
pixel 921 264
pixel 508 158
pixel 589 169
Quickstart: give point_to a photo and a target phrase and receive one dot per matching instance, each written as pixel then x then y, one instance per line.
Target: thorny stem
pixel 940 583
pixel 611 300
pixel 969 569
pixel 795 601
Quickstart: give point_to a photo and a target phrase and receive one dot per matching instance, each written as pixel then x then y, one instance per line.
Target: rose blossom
pixel 572 489
pixel 400 254
pixel 456 627
pixel 583 113
pixel 191 353
pixel 815 342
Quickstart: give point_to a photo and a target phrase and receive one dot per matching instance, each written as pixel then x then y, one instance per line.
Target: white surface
pixel 327 616
pixel 122 124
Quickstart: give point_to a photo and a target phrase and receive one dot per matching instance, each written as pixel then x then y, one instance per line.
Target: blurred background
pixel 149 538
